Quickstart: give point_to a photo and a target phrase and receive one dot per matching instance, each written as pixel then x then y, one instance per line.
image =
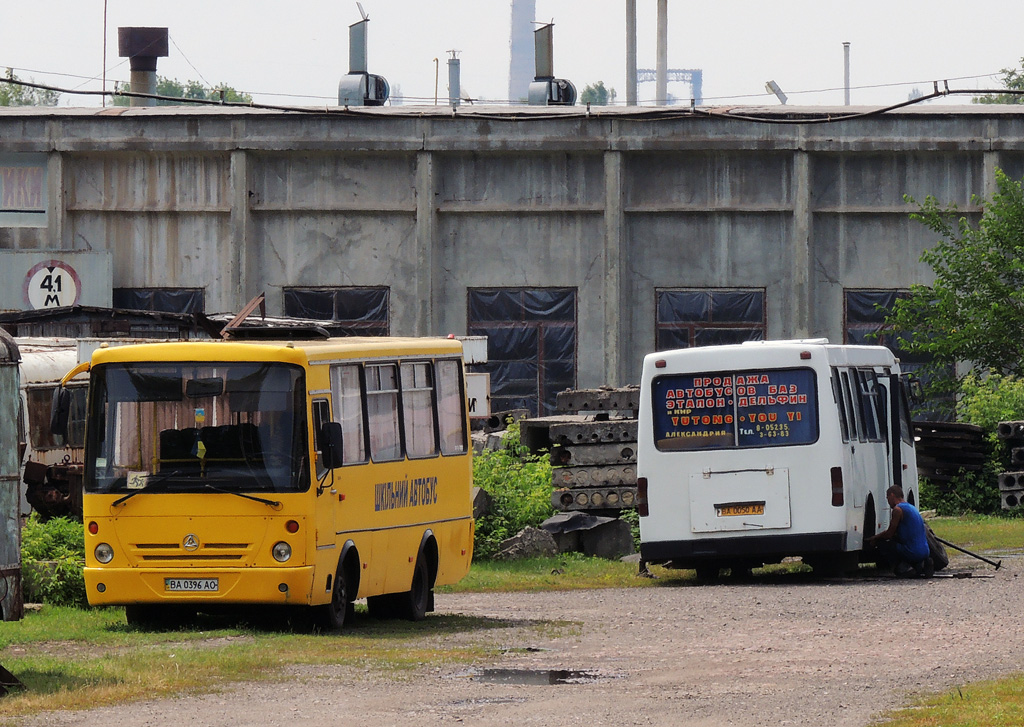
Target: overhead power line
pixel 660 112
pixel 429 100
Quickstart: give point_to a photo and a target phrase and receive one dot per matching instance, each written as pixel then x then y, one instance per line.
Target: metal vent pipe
pixel 142 46
pixel 454 80
pixel 846 73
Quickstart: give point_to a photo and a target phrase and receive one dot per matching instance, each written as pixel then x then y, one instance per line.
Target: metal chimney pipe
pixel 142 46
pixel 846 73
pixel 454 80
pixel 662 69
pixel 631 80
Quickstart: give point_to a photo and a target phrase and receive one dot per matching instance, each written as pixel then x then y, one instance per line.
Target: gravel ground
pixel 781 650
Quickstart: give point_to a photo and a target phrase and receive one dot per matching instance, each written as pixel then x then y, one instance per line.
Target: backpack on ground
pixel 936 550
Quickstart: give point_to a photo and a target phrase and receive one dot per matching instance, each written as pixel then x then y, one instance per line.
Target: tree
pixel 188 90
pixel 974 311
pixel 1013 79
pixel 14 94
pixel 597 95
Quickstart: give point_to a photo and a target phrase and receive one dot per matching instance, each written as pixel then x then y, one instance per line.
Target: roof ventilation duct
pixel 358 87
pixel 142 46
pixel 546 90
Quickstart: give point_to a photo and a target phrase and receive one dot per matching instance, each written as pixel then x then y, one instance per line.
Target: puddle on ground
pixel 536 676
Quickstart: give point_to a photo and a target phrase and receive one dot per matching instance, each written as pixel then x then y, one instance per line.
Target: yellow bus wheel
pixel 332 616
pixel 412 605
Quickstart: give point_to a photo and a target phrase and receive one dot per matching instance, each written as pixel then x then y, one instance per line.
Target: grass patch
pixel 569 571
pixel 981 532
pixel 575 571
pixel 78 659
pixel 989 704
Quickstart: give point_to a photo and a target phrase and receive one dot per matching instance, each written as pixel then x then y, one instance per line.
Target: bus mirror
pixel 915 391
pixel 331 445
pixel 60 410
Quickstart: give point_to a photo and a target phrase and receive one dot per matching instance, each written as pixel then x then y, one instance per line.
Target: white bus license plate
pixel 191 584
pixel 748 508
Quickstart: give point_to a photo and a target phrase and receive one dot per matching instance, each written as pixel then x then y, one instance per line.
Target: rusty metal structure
pixel 11 601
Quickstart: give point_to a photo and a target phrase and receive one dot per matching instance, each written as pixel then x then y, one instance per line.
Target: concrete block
pixel 527 543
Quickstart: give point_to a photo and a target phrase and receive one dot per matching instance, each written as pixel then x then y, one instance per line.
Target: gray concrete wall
pixel 430 203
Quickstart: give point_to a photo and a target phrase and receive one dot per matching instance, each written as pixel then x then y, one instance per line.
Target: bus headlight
pixel 104 553
pixel 281 552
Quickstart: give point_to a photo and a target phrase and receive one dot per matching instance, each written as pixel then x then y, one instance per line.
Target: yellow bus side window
pixel 321 415
pixel 451 410
pixel 418 409
pixel 382 412
pixel 347 387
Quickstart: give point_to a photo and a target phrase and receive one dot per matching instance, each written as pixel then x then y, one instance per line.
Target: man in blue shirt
pixel 904 542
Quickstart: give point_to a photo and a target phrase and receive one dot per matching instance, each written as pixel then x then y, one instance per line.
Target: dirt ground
pixel 781 650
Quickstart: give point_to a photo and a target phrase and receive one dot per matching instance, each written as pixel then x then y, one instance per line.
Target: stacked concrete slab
pixel 592 445
pixel 1011 484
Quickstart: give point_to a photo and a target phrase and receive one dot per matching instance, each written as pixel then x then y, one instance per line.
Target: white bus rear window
pixel 761 408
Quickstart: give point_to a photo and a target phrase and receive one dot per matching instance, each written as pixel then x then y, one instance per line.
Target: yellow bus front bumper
pixel 275 586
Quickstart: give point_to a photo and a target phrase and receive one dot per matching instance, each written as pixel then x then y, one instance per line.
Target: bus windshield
pixel 193 427
pixel 759 408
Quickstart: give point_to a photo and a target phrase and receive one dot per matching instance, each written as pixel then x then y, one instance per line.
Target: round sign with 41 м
pixel 51 284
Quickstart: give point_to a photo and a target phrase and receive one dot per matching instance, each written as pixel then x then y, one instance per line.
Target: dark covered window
pixel 166 300
pixel 687 317
pixel 531 344
pixel 361 311
pixel 865 311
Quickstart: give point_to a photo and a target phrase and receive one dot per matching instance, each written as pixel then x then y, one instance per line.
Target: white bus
pixel 753 452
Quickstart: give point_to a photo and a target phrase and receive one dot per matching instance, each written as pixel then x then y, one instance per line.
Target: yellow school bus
pixel 305 473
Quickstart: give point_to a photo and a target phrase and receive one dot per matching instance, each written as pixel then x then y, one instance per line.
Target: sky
pixel 295 52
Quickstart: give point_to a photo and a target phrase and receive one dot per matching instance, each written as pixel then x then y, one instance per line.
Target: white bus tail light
pixel 837 487
pixel 641 497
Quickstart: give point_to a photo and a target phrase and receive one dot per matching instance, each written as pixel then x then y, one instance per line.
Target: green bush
pixel 988 400
pixel 52 558
pixel 967 492
pixel 632 517
pixel 984 400
pixel 519 484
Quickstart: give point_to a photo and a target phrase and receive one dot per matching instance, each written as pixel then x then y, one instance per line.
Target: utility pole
pixel 662 67
pixel 631 81
pixel 846 72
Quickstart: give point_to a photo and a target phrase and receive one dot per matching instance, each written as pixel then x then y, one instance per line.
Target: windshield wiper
pixel 272 503
pixel 150 481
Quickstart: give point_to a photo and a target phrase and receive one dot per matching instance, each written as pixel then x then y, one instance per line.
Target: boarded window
pixel 687 317
pixel 167 300
pixel 531 344
pixel 350 311
pixel 864 314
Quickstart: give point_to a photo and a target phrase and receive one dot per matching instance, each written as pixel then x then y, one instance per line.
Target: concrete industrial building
pixel 578 240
